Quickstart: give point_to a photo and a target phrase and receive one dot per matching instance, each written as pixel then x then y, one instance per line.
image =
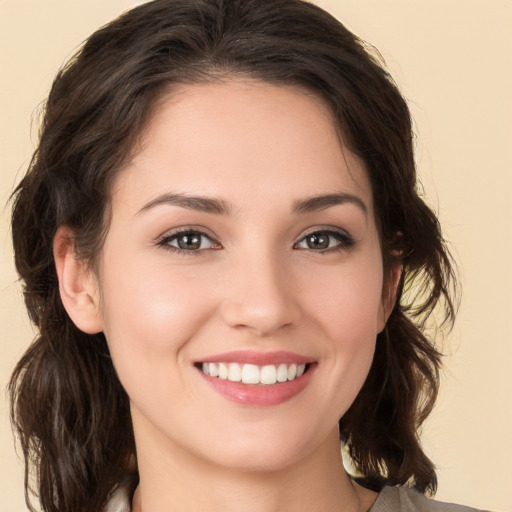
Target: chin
pixel 269 451
pixel 261 460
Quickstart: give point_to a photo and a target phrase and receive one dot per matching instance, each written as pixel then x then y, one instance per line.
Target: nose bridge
pixel 259 293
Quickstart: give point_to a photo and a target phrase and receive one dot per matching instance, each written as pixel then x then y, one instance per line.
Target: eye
pixel 326 240
pixel 188 241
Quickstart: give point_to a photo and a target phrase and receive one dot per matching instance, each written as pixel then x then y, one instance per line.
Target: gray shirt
pixel 390 499
pixel 402 499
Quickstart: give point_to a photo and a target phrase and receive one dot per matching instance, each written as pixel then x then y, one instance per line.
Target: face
pixel 241 279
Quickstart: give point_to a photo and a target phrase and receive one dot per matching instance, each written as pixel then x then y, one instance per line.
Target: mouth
pixel 252 374
pixel 257 379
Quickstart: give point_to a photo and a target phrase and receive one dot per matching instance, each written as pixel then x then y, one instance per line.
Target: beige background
pixel 452 59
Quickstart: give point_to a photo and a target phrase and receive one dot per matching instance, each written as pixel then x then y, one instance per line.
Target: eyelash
pixel 166 240
pixel 344 241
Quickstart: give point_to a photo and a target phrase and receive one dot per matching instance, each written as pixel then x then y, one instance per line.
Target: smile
pixel 257 379
pixel 266 375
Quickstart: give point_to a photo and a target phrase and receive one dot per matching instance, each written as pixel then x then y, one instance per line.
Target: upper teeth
pixel 253 374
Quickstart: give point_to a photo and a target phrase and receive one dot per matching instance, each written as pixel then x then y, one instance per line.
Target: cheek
pixel 347 301
pixel 347 308
pixel 149 320
pixel 152 314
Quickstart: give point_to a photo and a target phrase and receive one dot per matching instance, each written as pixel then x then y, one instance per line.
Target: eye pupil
pixel 318 241
pixel 189 242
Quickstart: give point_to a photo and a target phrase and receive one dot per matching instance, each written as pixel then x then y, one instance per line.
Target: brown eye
pixel 191 242
pixel 318 241
pixel 322 241
pixel 188 241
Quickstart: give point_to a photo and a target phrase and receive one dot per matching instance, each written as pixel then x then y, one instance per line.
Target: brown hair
pixel 68 407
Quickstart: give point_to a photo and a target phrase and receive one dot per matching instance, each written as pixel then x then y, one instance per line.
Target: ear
pixel 389 292
pixel 78 285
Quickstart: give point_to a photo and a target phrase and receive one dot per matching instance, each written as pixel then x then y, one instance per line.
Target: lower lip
pixel 256 395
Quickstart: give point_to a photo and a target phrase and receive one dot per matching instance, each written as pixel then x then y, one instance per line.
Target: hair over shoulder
pixel 68 408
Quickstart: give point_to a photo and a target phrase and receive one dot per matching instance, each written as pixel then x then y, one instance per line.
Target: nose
pixel 261 296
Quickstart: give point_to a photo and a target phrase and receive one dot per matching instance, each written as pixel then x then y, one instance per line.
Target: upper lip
pixel 257 358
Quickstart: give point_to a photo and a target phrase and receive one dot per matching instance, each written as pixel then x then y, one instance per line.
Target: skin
pixel 254 284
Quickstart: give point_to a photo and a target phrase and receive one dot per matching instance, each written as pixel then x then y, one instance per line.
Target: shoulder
pixel 402 499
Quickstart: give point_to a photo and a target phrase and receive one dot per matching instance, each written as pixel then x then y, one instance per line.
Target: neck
pixel 176 480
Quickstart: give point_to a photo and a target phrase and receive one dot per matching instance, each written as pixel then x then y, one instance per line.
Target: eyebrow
pixel 198 203
pixel 220 207
pixel 324 201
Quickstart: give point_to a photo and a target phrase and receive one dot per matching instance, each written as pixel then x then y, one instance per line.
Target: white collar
pixel 121 497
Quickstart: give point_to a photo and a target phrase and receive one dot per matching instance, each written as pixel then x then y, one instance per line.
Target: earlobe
pixel 78 285
pixel 389 293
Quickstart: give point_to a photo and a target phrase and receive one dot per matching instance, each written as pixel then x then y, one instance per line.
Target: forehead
pixel 240 139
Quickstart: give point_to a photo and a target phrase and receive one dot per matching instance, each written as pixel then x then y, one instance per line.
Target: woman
pixel 215 236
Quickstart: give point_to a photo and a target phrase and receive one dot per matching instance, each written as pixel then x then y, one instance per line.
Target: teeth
pixel 250 374
pixel 292 371
pixel 282 373
pixel 234 372
pixel 223 371
pixel 268 374
pixel 253 374
pixel 213 369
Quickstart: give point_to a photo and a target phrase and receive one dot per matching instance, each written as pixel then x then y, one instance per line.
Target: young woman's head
pixel 224 181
